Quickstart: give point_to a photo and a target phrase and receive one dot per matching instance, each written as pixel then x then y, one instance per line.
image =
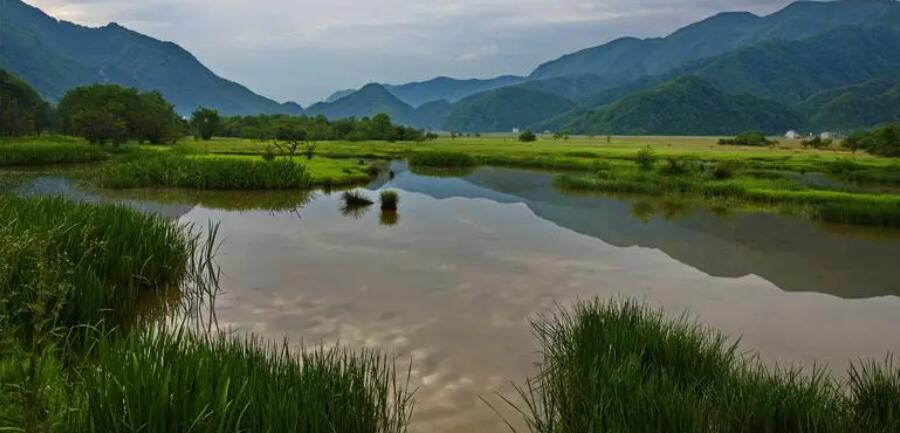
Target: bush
pixel 389 200
pixel 527 137
pixel 817 143
pixel 749 138
pixel 676 167
pixel 724 170
pixel 646 158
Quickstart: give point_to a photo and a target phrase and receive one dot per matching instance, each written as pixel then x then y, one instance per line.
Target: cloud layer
pixel 303 50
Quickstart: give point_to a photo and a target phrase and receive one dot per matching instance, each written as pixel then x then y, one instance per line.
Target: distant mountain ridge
pixel 684 106
pixel 54 56
pixel 374 98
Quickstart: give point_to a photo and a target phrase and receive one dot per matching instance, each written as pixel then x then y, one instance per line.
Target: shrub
pixel 676 167
pixel 749 138
pixel 527 136
pixel 817 143
pixel 724 170
pixel 389 200
pixel 646 158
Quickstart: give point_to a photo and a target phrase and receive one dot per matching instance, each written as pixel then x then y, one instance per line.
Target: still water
pixel 450 282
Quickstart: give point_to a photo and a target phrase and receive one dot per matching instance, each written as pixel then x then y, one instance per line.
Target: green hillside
pixel 370 100
pixel 623 59
pixel 54 56
pixel 685 106
pixel 863 105
pixel 504 109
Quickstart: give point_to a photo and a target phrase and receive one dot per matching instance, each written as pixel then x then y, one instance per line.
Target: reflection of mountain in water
pixel 60 186
pixel 795 254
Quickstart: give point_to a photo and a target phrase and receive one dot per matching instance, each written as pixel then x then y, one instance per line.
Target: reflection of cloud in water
pixel 453 287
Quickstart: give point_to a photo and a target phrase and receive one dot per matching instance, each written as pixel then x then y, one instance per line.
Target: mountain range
pixel 811 65
pixel 53 56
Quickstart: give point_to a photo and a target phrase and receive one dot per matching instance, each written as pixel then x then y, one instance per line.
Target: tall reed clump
pixel 442 159
pixel 621 367
pixel 389 200
pixel 33 152
pixel 164 170
pixel 83 263
pixel 171 381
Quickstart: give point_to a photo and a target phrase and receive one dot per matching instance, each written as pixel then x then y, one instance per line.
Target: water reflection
pixel 453 286
pixel 389 218
pixel 795 254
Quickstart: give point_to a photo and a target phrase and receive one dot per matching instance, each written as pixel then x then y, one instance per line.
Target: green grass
pixel 441 159
pixel 161 382
pixel 356 199
pixel 168 170
pixel 389 200
pixel 71 274
pixel 761 187
pixel 47 151
pixel 622 367
pixel 83 263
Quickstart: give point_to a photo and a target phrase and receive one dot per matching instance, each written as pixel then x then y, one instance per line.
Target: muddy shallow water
pixel 450 282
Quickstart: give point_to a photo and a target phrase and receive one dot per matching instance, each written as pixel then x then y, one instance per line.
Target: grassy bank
pixel 48 151
pixel 621 367
pixel 73 359
pixel 733 181
pixel 233 384
pixel 83 263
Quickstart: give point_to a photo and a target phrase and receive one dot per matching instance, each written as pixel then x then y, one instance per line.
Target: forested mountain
pixel 503 109
pixel 684 106
pixel 448 89
pixel 54 56
pixel 374 98
pixel 857 106
pixel 623 59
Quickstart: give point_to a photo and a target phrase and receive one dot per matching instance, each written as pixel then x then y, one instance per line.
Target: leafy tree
pixel 98 125
pixel 157 121
pixel 102 113
pixel 527 136
pixel 22 111
pixel 206 122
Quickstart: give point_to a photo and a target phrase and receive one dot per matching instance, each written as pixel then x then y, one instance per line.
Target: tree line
pixel 103 113
pixel 318 128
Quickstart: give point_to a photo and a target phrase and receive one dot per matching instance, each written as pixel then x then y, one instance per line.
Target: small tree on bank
pixel 527 136
pixel 206 122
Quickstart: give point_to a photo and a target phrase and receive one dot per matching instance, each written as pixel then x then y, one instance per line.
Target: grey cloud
pixel 304 49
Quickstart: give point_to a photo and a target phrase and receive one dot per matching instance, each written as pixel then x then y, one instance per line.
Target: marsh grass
pixel 442 159
pixel 40 151
pixel 83 263
pixel 622 367
pixel 171 170
pixel 171 381
pixel 356 199
pixel 389 200
pixel 826 205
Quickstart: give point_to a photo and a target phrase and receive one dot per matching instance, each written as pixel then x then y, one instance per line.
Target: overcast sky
pixel 302 50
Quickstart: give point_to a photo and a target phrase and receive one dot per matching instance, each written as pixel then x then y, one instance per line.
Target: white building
pixel 515 130
pixel 826 135
pixel 792 135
